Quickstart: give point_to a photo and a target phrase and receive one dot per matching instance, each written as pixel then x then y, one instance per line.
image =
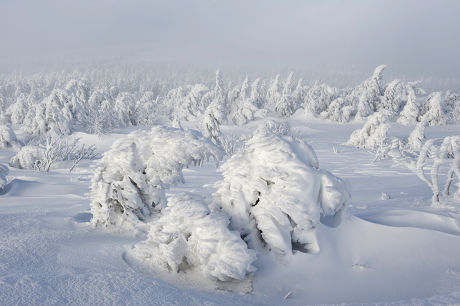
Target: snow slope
pixel 398 250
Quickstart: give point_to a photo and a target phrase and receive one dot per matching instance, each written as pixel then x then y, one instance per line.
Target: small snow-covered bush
pixel 49 150
pixel 7 137
pixel 275 192
pixel 29 157
pixel 131 178
pixel 373 132
pixel 189 235
pixel 432 155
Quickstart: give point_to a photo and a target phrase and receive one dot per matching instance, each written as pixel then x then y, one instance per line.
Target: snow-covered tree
pixel 393 96
pixel 130 181
pixel 417 137
pixel 190 236
pixel 433 110
pixel 286 104
pixel 210 124
pixel 411 111
pixel 52 115
pixel 432 156
pixel 275 192
pixel 318 98
pixel 242 108
pixel 17 111
pixel 8 138
pixel 373 132
pixel 368 95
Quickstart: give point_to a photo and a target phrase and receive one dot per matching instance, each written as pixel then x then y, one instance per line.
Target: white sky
pixel 412 37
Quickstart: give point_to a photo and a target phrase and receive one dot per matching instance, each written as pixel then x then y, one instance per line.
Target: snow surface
pixel 392 249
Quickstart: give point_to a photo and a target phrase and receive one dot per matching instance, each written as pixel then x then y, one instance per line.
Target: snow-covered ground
pixel 392 245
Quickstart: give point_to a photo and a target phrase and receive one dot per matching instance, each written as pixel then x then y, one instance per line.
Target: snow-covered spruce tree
pixel 275 192
pixel 100 116
pixel 242 108
pixel 79 92
pixel 451 105
pixel 433 110
pixel 286 105
pixel 51 115
pixel 131 178
pixel 216 100
pixel 17 111
pixel 125 110
pixel 411 111
pixel 318 98
pixel 368 95
pixel 147 106
pixel 8 138
pixel 189 236
pixel 273 94
pixel 393 96
pixel 417 137
pixel 373 133
pixel 188 101
pixel 210 124
pixel 339 111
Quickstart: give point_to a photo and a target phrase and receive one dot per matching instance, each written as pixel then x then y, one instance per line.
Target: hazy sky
pixel 413 37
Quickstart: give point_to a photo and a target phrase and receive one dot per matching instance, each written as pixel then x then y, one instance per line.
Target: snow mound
pixel 275 192
pixel 190 236
pixel 131 178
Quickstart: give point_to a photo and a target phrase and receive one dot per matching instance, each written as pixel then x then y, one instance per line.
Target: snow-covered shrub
pixel 7 137
pixel 29 157
pixel 432 155
pixel 41 157
pixel 275 192
pixel 188 235
pixel 131 178
pixel 373 132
